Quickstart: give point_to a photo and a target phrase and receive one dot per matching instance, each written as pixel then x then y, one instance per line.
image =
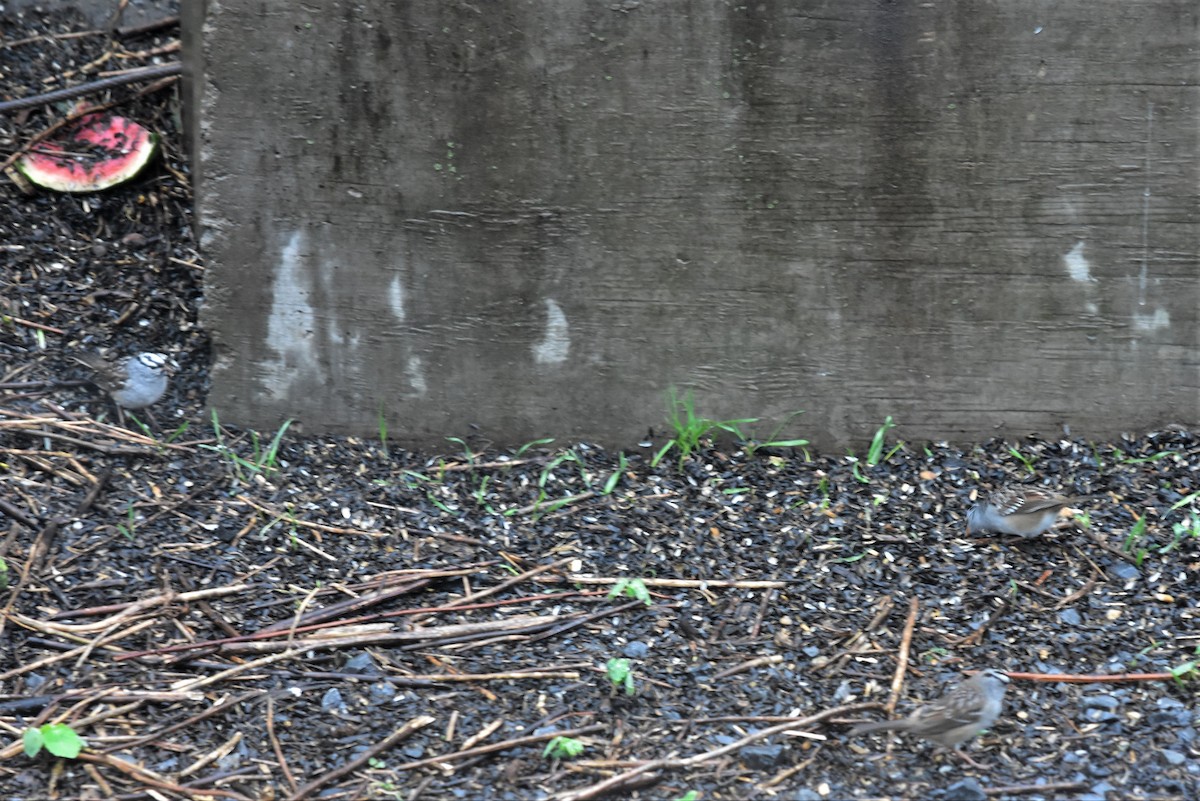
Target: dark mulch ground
pixel 218 622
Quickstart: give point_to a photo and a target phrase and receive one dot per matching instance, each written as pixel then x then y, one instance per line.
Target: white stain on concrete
pixel 414 371
pixel 395 296
pixel 556 341
pixel 291 322
pixel 1077 265
pixel 1161 318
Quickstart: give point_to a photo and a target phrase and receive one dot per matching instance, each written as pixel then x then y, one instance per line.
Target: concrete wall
pixel 536 215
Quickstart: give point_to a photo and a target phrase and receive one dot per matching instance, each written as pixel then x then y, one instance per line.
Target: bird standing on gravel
pixel 960 714
pixel 1023 511
pixel 134 382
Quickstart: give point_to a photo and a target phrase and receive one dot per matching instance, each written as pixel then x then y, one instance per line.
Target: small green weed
pixel 262 461
pixel 1185 501
pixel 620 675
pixel 690 795
pixel 1188 670
pixel 57 738
pixel 611 483
pixel 1181 531
pixel 875 454
pixel 468 454
pixel 429 496
pixel 3 574
pixel 1023 459
pixel 933 655
pixel 563 748
pixel 179 431
pixel 632 588
pixel 690 430
pixel 752 446
pixel 1121 458
pixel 1137 658
pixel 480 495
pixel 145 429
pixel 129 527
pixel 533 444
pixel 565 457
pixel 1133 541
pixel 383 429
pixel 386 789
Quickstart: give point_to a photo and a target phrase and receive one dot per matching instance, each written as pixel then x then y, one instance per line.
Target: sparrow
pixel 960 714
pixel 134 382
pixel 1023 511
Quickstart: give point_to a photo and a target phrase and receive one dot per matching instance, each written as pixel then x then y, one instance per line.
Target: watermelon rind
pixel 102 150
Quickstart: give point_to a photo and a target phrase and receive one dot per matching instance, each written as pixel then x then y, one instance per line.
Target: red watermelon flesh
pixel 102 150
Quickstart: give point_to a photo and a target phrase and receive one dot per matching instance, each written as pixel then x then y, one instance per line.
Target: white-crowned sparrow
pixel 134 382
pixel 1023 511
pixel 960 714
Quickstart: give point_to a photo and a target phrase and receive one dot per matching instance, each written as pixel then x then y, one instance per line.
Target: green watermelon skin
pixel 102 150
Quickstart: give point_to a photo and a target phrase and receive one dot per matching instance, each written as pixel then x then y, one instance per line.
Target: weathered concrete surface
pixel 536 215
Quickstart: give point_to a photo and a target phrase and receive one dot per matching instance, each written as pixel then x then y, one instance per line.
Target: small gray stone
pixel 1172 757
pixel 1100 716
pixel 1174 718
pixel 1070 617
pixel 965 790
pixel 332 701
pixel 805 794
pixel 362 663
pixel 1124 570
pixel 761 757
pixel 381 692
pixel 636 650
pixel 1101 702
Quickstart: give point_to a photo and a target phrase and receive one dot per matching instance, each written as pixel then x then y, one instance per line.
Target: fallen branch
pixel 222 705
pixel 1039 789
pixel 195 684
pixel 402 733
pixel 698 584
pixel 672 763
pixel 154 780
pixel 518 742
pixel 128 611
pixel 419 637
pixel 74 652
pixel 773 659
pixel 902 658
